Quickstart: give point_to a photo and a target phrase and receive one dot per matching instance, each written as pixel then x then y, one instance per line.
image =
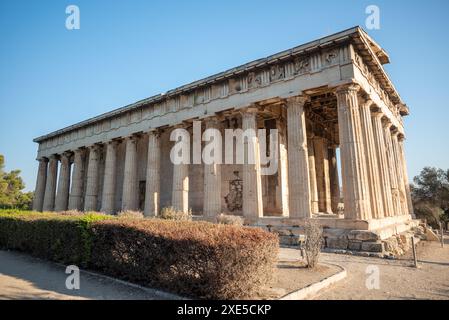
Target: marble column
pixel 39 191
pixel 382 161
pixel 212 177
pixel 372 166
pixel 298 165
pixel 355 189
pixel 252 182
pixel 322 174
pixel 401 139
pixel 50 186
pixel 399 171
pixel 334 181
pixel 153 177
pixel 180 191
pixel 91 196
pixel 312 177
pixel 283 167
pixel 391 167
pixel 130 190
pixel 109 179
pixel 62 196
pixel 76 192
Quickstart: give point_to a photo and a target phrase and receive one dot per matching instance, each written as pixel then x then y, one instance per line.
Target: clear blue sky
pixel 125 51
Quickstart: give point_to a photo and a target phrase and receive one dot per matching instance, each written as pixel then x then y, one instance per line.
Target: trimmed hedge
pixel 197 259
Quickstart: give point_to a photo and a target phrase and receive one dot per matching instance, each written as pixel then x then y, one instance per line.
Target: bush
pixel 313 242
pixel 170 213
pixel 65 239
pixel 130 214
pixel 230 219
pixel 197 259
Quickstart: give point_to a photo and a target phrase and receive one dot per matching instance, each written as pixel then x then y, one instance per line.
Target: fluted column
pixel 333 176
pixel 39 191
pixel 153 182
pixel 312 177
pixel 252 182
pixel 399 172
pixel 212 176
pixel 62 196
pixel 401 139
pixel 50 186
pixel 391 167
pixel 355 189
pixel 298 165
pixel 322 174
pixel 372 166
pixel 283 166
pixel 129 197
pixel 91 196
pixel 76 192
pixel 383 162
pixel 109 180
pixel 180 191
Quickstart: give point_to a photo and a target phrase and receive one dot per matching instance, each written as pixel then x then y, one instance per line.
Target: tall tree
pixel 11 186
pixel 430 194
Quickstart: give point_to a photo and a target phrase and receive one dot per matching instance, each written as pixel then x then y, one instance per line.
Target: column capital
pixel 65 158
pixel 347 88
pixel 249 110
pixel 42 159
pixel 366 103
pixel 401 137
pixel 386 122
pixel 301 100
pixel 114 143
pixel 155 131
pixel 54 157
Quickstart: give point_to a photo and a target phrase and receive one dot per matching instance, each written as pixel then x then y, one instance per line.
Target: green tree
pixel 430 195
pixel 11 186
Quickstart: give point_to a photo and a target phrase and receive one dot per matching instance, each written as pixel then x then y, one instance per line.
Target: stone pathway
pixel 25 277
pixel 397 278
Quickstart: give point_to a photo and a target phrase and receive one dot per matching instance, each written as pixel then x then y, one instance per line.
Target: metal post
pixel 442 234
pixel 415 261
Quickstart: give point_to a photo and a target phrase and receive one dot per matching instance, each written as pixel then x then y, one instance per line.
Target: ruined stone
pixel 362 235
pixel 337 243
pixel 377 246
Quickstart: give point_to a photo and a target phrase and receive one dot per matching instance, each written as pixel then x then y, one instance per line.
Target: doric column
pixel 62 196
pixel 109 180
pixel 355 189
pixel 39 191
pixel 153 182
pixel 298 165
pixel 283 166
pixel 401 139
pixel 312 177
pixel 180 191
pixel 91 196
pixel 212 177
pixel 334 181
pixel 372 166
pixel 50 186
pixel 129 197
pixel 399 171
pixel 391 166
pixel 383 162
pixel 322 174
pixel 76 192
pixel 252 182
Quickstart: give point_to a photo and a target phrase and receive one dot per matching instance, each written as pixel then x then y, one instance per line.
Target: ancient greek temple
pixel 340 144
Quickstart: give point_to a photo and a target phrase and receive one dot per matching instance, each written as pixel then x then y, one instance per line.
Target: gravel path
pixel 25 277
pixel 397 278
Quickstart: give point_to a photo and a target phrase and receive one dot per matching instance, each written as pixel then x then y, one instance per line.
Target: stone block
pixel 363 235
pixel 376 246
pixel 337 243
pixel 355 245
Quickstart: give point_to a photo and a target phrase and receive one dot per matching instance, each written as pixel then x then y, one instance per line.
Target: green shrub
pixel 65 239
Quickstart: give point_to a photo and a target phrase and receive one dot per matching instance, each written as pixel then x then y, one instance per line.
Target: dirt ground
pixel 398 279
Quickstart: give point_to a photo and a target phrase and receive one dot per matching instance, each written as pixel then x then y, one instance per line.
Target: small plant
pixel 130 214
pixel 171 213
pixel 230 219
pixel 313 242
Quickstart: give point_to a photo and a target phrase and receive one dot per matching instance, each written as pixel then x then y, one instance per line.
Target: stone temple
pixel 339 119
